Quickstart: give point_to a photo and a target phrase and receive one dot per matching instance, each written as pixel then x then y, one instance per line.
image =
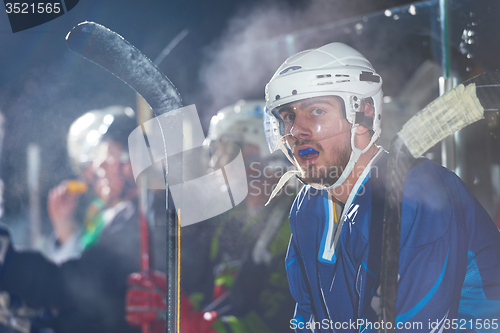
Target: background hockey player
pixel 325 107
pixel 76 229
pixel 88 293
pixel 241 252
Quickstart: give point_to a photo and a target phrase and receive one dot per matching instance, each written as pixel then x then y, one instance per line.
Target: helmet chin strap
pixel 355 154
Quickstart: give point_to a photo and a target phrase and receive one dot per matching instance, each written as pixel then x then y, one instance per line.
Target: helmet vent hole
pixel 325 83
pixel 277 97
pixel 294 92
pixel 323 76
pixel 341 75
pixel 340 81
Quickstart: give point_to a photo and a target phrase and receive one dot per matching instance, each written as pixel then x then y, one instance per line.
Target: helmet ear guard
pixel 365 115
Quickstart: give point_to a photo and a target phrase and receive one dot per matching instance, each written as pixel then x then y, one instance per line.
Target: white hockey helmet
pixel 240 123
pixel 89 130
pixel 335 70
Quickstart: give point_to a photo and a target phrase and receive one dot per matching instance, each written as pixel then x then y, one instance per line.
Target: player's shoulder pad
pixel 307 206
pixel 427 208
pixel 306 199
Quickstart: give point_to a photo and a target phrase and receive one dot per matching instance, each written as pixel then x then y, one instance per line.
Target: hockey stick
pixel 113 53
pixel 461 106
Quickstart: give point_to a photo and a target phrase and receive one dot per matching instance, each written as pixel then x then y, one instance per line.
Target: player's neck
pixel 342 192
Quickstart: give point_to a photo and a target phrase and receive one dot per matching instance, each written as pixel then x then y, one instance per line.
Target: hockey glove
pixel 195 321
pixel 145 299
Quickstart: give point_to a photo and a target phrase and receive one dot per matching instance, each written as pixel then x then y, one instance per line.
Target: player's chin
pixel 311 174
pixel 320 182
pixel 317 174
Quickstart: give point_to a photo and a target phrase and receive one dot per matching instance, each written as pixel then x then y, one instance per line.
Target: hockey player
pixel 88 293
pixel 245 247
pixel 324 107
pixel 86 133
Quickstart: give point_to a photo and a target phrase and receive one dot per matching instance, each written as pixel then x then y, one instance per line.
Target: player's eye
pixel 287 117
pixel 317 112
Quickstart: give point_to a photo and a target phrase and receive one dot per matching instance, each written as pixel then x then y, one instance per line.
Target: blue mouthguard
pixel 306 151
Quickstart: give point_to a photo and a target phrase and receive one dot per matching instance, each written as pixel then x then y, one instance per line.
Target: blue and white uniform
pixel 449 266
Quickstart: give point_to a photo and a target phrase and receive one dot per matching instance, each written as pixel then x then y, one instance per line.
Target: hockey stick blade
pixel 461 106
pixel 112 52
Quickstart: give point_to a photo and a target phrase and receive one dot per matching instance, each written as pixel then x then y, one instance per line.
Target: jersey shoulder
pixel 308 200
pixel 428 206
pixel 307 215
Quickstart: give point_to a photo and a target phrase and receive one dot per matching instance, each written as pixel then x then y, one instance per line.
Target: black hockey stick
pixel 112 52
pixel 452 111
pixel 116 55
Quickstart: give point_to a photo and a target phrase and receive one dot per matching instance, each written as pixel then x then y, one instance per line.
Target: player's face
pixel 108 180
pixel 318 137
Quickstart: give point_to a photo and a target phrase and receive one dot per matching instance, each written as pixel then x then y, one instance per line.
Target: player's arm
pixel 480 298
pixel 434 250
pixel 298 289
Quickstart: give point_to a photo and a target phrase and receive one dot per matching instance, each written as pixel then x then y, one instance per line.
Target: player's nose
pixel 302 128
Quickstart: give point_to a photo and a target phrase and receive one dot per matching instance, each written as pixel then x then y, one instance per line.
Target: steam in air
pixel 258 39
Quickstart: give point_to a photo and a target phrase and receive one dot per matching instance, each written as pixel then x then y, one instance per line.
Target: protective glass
pixel 313 119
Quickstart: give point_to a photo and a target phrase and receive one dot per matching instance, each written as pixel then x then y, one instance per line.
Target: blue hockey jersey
pixel 449 266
